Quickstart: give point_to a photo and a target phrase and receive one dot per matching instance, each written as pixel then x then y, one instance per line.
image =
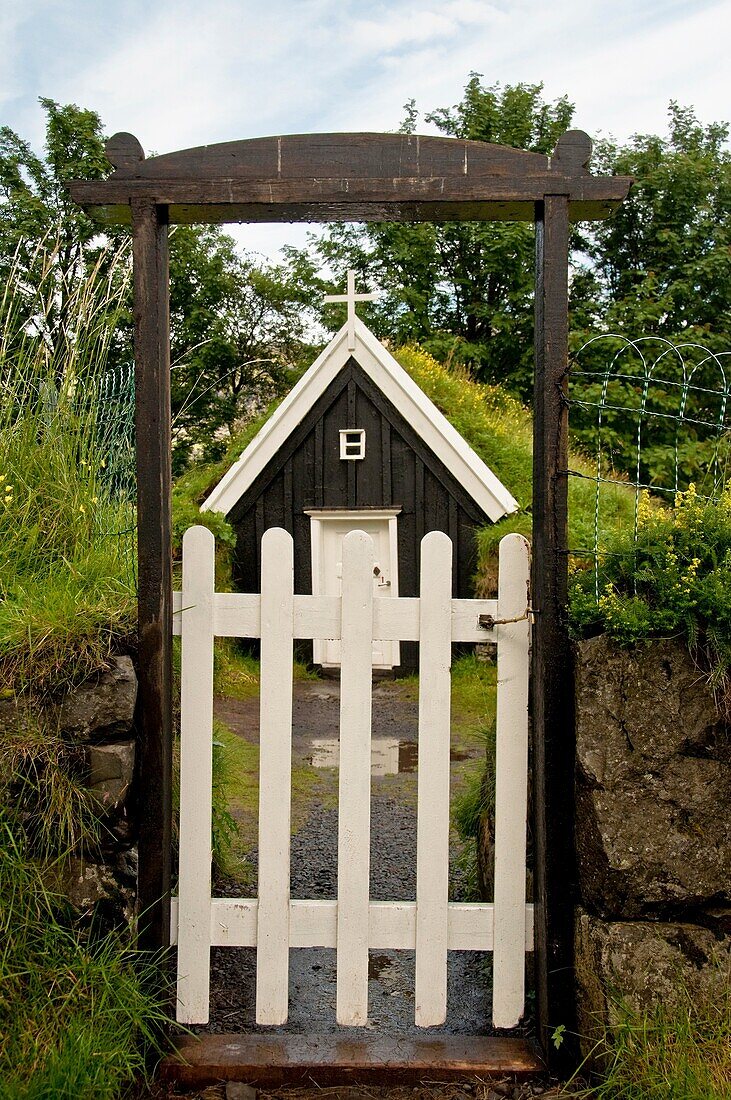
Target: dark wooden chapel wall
pixel 398 470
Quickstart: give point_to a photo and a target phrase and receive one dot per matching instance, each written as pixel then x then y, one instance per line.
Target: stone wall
pixel 653 794
pixel 97 719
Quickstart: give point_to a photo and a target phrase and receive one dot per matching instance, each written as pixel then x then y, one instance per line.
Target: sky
pixel 180 73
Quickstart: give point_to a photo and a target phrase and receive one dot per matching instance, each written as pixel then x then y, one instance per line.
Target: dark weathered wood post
pixel 552 693
pixel 152 419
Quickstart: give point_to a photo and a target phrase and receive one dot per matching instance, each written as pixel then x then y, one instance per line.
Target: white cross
pixel 351 298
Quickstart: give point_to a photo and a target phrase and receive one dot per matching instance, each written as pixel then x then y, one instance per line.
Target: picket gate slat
pixel 196 779
pixel 511 787
pixel 352 924
pixel 354 820
pixel 275 772
pixel 432 834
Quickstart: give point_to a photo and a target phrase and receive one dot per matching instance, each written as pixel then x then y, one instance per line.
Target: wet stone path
pixel 314 868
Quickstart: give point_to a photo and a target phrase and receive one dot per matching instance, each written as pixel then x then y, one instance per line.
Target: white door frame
pixel 319 517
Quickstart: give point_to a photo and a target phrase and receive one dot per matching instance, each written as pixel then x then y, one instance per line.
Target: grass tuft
pixel 679 1051
pixel 67 590
pixel 42 777
pixel 76 1022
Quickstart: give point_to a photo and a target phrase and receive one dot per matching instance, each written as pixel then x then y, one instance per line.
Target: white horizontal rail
pixel 391 924
pixel 238 615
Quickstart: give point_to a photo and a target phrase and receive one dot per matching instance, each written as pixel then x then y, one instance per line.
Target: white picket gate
pixel 352 923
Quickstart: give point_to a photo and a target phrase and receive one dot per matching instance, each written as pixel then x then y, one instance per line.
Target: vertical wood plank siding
pixel 398 471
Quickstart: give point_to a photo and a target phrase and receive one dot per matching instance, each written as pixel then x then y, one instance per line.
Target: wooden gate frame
pixel 365 177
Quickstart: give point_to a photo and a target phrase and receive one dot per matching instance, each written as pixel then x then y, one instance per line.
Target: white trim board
pixel 400 389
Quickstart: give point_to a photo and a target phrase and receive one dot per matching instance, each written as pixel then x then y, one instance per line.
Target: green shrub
pixel 192 487
pixel 674 578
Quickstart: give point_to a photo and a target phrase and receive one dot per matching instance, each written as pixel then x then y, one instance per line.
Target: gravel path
pixel 314 875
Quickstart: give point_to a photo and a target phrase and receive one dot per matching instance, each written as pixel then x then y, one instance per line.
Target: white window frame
pixel 346 443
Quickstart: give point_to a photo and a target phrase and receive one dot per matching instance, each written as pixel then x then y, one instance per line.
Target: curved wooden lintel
pixel 373 177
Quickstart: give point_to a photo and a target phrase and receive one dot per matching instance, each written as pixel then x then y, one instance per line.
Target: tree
pixel 660 267
pixel 237 326
pixel 238 330
pixel 36 210
pixel 661 264
pixel 462 290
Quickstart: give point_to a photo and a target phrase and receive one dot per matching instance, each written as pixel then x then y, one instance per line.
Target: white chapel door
pixel 328 531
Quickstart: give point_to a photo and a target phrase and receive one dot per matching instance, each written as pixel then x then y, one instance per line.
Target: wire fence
pixel 647 416
pixel 114 401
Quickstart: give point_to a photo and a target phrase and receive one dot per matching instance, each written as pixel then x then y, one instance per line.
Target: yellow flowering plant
pixel 673 576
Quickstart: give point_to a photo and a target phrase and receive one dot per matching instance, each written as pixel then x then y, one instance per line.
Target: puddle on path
pixel 389 756
pixel 377 964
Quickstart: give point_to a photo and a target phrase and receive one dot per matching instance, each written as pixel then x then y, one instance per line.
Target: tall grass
pixel 66 528
pixel 42 778
pixel 676 1051
pixel 76 1022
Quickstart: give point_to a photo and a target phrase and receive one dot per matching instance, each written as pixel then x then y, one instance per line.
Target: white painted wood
pixel 353 924
pixel 432 845
pixel 392 924
pixel 393 381
pixel 327 532
pixel 196 748
pixel 354 820
pixel 275 776
pixel 511 787
pixel 237 615
pixel 351 298
pixel 353 513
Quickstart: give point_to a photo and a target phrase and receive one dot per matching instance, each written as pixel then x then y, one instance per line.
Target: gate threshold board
pixel 274 1060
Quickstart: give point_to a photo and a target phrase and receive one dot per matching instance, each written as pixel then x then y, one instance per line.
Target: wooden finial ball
pixel 124 151
pixel 572 153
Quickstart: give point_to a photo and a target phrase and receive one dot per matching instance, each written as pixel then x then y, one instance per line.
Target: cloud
pixel 187 72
